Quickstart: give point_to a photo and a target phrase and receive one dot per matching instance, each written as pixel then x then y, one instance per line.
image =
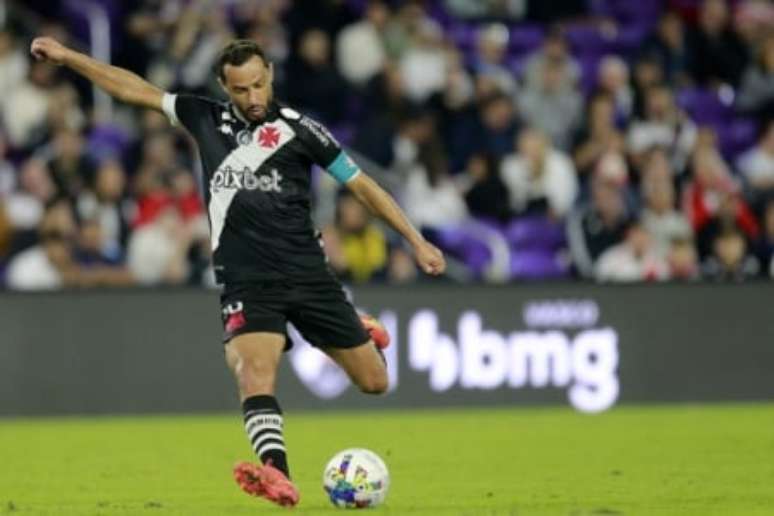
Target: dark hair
pixel 237 53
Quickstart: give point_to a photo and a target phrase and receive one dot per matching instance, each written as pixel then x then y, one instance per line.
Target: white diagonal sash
pixel 250 157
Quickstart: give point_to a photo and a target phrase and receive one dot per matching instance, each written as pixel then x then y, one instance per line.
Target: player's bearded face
pixel 249 86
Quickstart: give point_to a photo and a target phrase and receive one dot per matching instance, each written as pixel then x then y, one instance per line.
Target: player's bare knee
pixel 254 376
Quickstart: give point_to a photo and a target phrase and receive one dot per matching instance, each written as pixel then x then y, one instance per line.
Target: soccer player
pixel 256 155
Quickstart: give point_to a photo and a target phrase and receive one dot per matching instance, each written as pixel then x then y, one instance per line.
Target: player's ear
pixel 222 85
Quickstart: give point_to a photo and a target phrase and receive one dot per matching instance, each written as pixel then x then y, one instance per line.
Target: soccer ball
pixel 356 478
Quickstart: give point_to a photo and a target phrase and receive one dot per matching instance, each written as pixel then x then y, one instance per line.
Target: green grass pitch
pixel 665 460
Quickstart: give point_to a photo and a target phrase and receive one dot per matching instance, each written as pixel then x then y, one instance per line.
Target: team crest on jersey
pixel 246 179
pixel 268 137
pixel 244 137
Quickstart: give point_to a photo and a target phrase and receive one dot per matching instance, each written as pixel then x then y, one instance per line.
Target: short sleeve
pixel 186 110
pixel 325 151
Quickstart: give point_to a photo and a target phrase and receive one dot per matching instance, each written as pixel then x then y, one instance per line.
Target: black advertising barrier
pixel 591 347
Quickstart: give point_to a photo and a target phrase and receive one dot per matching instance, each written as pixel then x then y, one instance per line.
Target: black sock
pixel 263 422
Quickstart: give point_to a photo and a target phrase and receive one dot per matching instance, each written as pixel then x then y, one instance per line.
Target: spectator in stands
pixel 70 166
pixel 13 61
pixel 7 170
pixel 659 215
pixel 490 128
pixel 50 264
pixel 157 251
pixel 712 201
pixel 756 93
pixel 200 34
pixel 485 193
pixel 634 259
pixel 356 247
pixel 764 247
pixel 683 261
pixel 753 21
pixel 25 127
pixel 401 267
pixel 757 166
pixel 491 47
pixel 717 55
pixel 664 125
pixel 668 45
pixel 27 203
pixel 360 49
pixel 552 104
pixel 647 73
pixel 598 136
pixel 476 9
pixel 424 63
pixel 730 259
pixel 553 49
pixel 106 205
pixel 458 92
pixel 613 80
pixel 430 197
pixel 313 84
pixel 597 225
pixel 266 29
pixel 403 28
pixel 540 179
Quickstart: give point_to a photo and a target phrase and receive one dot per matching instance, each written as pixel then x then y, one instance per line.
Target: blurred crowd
pixel 603 139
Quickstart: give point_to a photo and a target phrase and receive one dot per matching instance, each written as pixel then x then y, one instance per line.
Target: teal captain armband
pixel 343 168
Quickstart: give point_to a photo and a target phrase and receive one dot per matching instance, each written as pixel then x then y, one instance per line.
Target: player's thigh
pixel 258 349
pixel 254 359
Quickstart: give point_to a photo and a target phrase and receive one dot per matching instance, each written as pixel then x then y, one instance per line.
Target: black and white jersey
pixel 257 186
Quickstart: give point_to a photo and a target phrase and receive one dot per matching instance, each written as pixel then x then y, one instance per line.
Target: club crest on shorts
pixel 234 316
pixel 244 137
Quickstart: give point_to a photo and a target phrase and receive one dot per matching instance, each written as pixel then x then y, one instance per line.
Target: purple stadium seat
pixel 538 265
pixel 534 233
pixel 105 141
pixel 736 137
pixel 525 38
pixel 706 106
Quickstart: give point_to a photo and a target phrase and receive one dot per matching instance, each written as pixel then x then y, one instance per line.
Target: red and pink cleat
pixel 266 482
pixel 375 329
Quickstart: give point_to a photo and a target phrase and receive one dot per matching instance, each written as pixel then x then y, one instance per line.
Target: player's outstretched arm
pixel 117 82
pixel 429 257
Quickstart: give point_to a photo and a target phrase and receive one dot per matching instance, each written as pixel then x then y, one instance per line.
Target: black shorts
pixel 317 307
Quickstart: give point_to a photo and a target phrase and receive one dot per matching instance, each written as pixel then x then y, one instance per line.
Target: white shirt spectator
pixel 433 206
pixel 32 270
pixel 679 139
pixel 154 252
pixel 558 182
pixel 621 264
pixel 757 166
pixel 20 123
pixel 361 53
pixel 665 228
pixel 13 70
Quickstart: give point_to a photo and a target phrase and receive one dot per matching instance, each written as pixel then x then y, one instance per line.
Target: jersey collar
pixel 271 114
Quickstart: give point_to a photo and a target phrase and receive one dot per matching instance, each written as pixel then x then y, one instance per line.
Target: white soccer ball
pixel 356 478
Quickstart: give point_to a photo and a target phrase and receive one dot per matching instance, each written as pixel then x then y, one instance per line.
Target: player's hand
pixel 429 258
pixel 49 49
